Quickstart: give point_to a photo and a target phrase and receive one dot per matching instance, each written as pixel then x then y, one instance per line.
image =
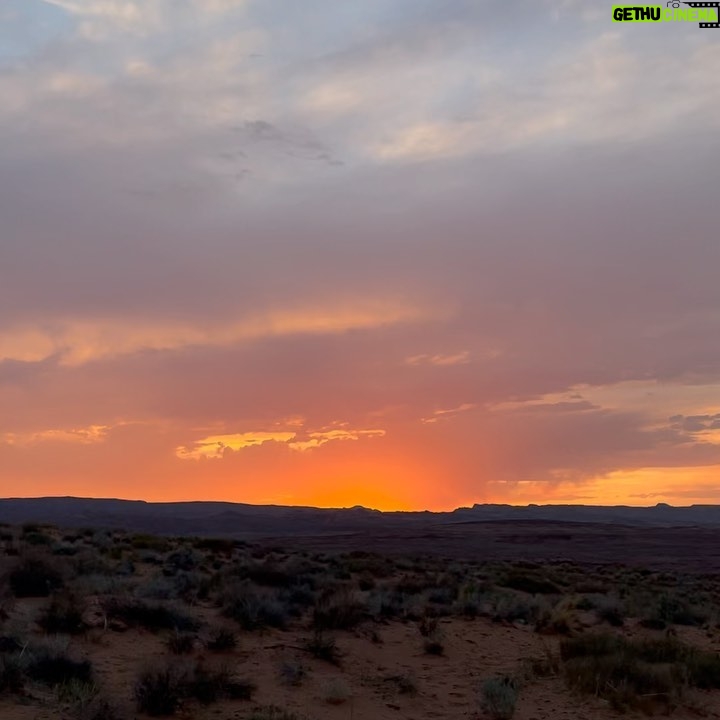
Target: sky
pixel 406 254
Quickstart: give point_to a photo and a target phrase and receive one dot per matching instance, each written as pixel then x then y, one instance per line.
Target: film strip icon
pixel 715 5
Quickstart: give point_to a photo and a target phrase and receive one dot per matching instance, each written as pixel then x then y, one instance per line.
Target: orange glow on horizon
pixel 395 492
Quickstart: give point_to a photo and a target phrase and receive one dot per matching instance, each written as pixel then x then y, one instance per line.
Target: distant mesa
pixel 243 520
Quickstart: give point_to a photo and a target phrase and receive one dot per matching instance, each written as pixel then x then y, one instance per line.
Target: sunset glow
pixel 296 254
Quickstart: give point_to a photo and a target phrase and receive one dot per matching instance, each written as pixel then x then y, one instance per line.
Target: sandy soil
pixel 447 685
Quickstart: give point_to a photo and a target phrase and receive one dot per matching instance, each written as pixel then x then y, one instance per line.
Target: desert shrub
pixel 100 585
pixel 34 577
pixel 546 665
pixel 157 691
pixel 272 712
pixel 366 582
pixel 323 647
pixel 292 673
pixel 623 680
pixel 253 610
pixel 90 563
pixel 239 688
pixel 610 609
pixel 181 643
pixel 149 542
pixel 498 697
pixel 427 625
pixel 150 616
pixel 50 663
pixel 160 690
pixel 98 708
pixel 184 559
pixel 372 564
pixel 470 600
pixel 9 643
pixel 78 697
pixel 222 546
pixel 64 615
pixel 529 582
pixel 65 550
pixel 385 605
pixel 102 539
pixel 703 669
pixel 221 639
pixel 298 597
pixel 269 574
pixel 442 595
pixel 405 683
pixel 12 679
pixel 339 611
pixel 637 673
pixel 555 621
pixel 594 587
pixel 205 685
pixel 412 584
pixel 115 552
pixel 157 588
pixel 434 645
pixel 509 607
pixel 336 691
pixel 192 586
pixel 669 609
pixel 38 538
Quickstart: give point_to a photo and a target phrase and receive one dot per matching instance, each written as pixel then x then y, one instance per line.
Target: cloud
pixel 215 446
pixel 232 222
pixel 460 358
pixel 83 436
pixel 447 413
pixel 76 343
pixel 102 19
pixel 320 438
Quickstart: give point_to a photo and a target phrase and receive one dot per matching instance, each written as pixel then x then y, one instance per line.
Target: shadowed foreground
pixel 111 625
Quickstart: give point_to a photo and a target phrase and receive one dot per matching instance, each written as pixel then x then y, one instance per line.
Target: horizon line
pixel 362 507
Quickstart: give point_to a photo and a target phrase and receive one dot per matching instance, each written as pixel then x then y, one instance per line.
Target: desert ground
pixel 112 625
